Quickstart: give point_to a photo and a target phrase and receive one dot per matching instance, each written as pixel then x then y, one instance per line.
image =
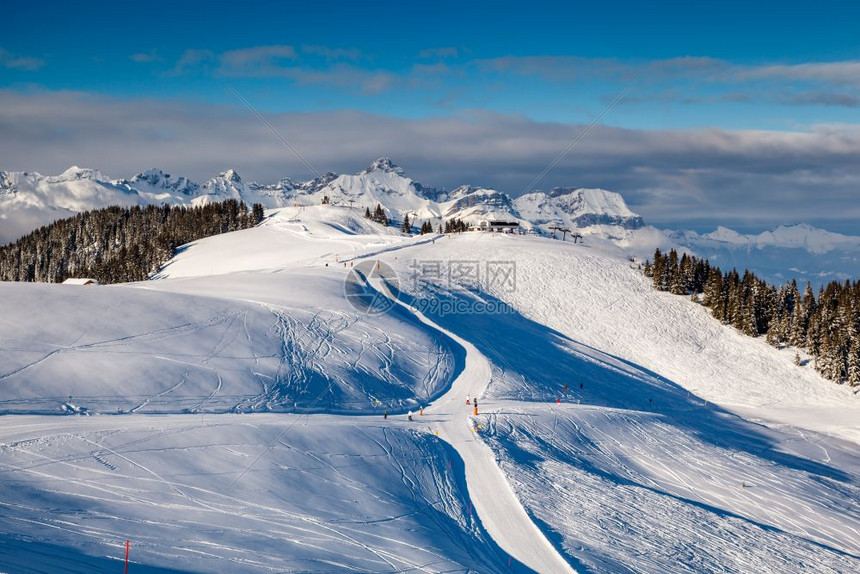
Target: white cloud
pixel 332 54
pixel 439 53
pixel 145 57
pixel 670 176
pixel 846 73
pixel 14 62
pixel 257 61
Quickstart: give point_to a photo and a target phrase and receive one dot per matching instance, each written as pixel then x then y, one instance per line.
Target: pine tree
pixel 648 271
pixel 407 226
pixel 257 214
pixel 853 374
pixel 657 269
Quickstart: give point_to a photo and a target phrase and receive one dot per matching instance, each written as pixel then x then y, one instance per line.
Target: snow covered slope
pixel 332 495
pixel 652 460
pixel 578 293
pixel 635 491
pixel 283 342
pixel 640 467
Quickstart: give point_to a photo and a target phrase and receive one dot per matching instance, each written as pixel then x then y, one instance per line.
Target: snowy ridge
pixel 382 182
pixel 795 236
pixel 799 251
pixel 159 186
pixel 75 189
pixel 576 207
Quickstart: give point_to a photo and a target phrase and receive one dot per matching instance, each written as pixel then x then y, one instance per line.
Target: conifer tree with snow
pixel 853 375
pixel 257 213
pixel 827 326
pixel 379 215
pixel 118 244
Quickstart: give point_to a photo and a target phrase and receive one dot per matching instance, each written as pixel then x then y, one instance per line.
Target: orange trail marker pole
pixel 126 556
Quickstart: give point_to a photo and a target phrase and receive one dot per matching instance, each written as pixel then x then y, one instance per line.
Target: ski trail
pixel 498 507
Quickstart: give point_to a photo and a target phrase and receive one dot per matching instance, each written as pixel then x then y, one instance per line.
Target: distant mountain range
pixel 29 200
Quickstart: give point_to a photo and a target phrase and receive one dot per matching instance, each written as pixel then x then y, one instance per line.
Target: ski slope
pixel 632 491
pixel 652 460
pixel 496 503
pixel 334 494
pixel 122 349
pixel 588 296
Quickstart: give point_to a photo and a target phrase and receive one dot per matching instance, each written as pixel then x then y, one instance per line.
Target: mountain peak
pixel 152 174
pixel 579 207
pixel 230 175
pixel 76 172
pixel 383 164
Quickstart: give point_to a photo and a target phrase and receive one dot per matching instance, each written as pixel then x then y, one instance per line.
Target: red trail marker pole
pixel 126 556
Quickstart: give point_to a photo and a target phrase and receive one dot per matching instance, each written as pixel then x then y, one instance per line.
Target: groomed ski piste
pixel 235 420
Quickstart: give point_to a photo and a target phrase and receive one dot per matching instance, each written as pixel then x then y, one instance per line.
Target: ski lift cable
pixel 273 130
pixel 582 134
pixel 280 436
pixel 578 138
pixel 286 143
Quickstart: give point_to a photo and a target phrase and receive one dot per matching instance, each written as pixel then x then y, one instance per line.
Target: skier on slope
pixel 409 415
pixel 468 399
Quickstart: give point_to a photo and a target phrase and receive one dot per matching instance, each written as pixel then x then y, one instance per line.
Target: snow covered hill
pixel 676 442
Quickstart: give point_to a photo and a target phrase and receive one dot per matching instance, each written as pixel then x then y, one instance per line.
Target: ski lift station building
pixel 496 226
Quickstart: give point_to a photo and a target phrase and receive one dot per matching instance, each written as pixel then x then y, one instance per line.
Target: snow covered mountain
pixel 76 189
pixel 799 251
pixel 472 204
pixel 28 200
pixel 156 185
pixel 795 236
pixel 382 182
pixel 581 208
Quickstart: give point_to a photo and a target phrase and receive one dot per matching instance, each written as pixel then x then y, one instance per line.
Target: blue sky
pixel 776 80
